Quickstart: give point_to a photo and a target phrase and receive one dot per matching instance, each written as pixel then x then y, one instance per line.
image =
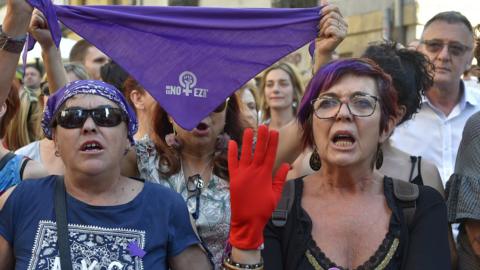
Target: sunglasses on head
pixel 102 116
pixel 222 106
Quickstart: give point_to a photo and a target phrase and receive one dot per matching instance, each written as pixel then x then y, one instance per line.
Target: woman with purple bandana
pixel 92 217
pixel 92 127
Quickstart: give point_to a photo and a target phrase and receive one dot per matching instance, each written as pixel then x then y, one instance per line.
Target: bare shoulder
pixel 5 195
pixel 34 169
pixel 431 176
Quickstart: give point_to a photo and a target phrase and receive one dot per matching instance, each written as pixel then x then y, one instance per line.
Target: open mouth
pixel 343 140
pixel 442 69
pixel 202 126
pixel 91 146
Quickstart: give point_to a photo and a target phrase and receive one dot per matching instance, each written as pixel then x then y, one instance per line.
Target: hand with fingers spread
pixel 253 193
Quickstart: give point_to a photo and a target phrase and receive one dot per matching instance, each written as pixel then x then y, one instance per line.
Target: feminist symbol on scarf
pixel 187 81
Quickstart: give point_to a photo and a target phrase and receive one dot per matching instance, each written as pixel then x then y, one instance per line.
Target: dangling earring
pixel 379 160
pixel 315 162
pixel 57 154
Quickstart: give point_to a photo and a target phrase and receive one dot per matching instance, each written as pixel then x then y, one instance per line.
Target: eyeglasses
pixel 454 48
pixel 222 106
pixel 194 187
pixel 362 105
pixel 102 116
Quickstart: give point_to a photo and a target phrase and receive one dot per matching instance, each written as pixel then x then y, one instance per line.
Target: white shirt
pixel 433 135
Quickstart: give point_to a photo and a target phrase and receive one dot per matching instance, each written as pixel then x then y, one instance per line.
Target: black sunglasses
pixel 222 106
pixel 103 116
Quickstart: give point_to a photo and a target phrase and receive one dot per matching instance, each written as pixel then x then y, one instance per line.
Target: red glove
pixel 253 194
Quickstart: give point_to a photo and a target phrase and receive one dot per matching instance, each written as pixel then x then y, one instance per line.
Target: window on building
pixel 294 3
pixel 183 2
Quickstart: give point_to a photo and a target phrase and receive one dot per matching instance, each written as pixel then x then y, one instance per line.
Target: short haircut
pixel 79 50
pixel 114 74
pixel 38 67
pixel 330 74
pixel 451 17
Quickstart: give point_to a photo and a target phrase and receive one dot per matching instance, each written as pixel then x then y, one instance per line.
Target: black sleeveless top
pixel 423 245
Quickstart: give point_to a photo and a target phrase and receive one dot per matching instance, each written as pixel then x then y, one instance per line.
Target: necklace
pixel 195 182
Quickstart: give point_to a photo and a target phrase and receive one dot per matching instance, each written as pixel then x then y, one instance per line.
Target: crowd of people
pixel 368 166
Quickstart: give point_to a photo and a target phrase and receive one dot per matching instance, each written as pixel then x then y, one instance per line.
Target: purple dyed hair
pixel 330 74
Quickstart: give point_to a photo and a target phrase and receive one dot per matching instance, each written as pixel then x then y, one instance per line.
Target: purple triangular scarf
pixel 192 58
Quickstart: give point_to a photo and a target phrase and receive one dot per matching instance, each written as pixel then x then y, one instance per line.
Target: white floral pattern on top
pixel 90 246
pixel 213 223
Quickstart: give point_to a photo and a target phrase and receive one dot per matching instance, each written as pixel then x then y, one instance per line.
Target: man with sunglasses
pixel 436 130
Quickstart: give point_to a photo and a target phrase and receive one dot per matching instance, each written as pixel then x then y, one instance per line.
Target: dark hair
pixel 410 70
pixel 79 50
pixel 169 162
pixel 450 17
pixel 114 74
pixel 38 67
pixel 13 103
pixel 330 74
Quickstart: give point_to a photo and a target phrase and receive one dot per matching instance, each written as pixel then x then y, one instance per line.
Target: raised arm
pixel 56 74
pixel 14 28
pixel 254 194
pixel 332 31
pixel 289 144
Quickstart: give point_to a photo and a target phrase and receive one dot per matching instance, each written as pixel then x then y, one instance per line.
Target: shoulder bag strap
pixel 419 165
pixel 280 214
pixel 23 166
pixel 406 194
pixel 413 160
pixel 6 159
pixel 62 227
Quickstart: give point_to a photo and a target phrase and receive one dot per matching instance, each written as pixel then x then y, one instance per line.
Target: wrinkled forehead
pixel 88 101
pixel 350 84
pixel 448 32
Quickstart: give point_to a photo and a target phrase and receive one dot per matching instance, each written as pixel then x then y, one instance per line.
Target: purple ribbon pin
pixel 135 250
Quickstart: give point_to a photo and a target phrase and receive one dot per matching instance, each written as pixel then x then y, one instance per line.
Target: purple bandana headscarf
pixel 98 88
pixel 190 58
